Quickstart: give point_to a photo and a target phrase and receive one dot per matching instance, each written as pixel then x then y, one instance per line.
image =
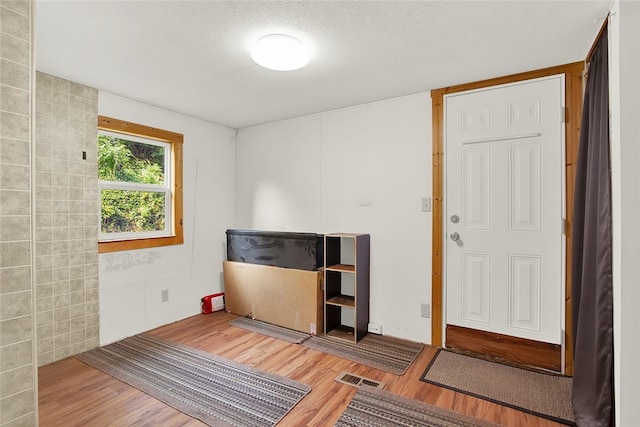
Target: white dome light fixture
pixel 280 52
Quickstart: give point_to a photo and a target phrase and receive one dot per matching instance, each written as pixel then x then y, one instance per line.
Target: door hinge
pixel 564 114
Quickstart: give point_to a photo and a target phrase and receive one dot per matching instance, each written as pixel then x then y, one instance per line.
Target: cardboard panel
pixel 281 296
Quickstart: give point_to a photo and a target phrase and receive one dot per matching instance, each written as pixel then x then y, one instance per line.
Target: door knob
pixel 455 236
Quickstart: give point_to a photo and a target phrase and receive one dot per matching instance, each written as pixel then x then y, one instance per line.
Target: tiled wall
pixel 67 212
pixel 17 391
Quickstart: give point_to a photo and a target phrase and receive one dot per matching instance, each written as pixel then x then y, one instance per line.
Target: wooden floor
pixel 74 394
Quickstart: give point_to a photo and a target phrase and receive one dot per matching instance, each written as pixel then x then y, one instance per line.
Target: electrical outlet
pixel 426 204
pixel 375 328
pixel 164 295
pixel 425 310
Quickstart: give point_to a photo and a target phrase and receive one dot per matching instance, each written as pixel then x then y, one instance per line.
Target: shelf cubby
pixel 346 285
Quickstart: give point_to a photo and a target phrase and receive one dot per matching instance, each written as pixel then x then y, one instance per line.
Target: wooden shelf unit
pixel 346 285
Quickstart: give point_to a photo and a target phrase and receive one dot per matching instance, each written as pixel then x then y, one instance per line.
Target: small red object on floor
pixel 213 302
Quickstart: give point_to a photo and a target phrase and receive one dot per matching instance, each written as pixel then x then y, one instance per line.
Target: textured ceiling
pixel 193 56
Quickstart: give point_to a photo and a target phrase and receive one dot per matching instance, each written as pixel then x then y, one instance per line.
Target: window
pixel 140 183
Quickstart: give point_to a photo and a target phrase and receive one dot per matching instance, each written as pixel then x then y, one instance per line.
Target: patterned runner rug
pixel 269 329
pixel 541 394
pixel 214 390
pixel 375 407
pixel 377 351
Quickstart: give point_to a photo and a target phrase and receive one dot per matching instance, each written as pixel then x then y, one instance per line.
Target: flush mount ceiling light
pixel 280 52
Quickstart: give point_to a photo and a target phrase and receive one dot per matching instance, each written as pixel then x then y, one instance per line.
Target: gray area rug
pixel 217 391
pixel 264 328
pixel 541 394
pixel 377 351
pixel 374 407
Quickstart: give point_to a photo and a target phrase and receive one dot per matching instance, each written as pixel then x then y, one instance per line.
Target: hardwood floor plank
pixel 72 393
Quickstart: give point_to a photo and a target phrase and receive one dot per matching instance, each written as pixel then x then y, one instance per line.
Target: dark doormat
pixel 542 394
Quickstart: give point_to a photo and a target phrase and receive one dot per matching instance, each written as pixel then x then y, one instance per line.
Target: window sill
pixel 128 245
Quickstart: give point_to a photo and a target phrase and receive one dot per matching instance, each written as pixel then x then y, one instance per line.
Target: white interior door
pixel 504 203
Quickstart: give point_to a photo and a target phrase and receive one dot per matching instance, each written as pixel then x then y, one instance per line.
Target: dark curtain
pixel 592 288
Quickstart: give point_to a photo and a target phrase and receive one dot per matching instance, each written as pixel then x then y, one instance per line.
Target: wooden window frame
pixel 573 111
pixel 176 140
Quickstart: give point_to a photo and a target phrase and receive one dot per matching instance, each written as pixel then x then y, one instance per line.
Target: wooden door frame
pixel 573 111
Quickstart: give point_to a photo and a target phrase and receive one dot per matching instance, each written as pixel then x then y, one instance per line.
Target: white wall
pixel 278 176
pixel 624 68
pixel 359 169
pixel 131 281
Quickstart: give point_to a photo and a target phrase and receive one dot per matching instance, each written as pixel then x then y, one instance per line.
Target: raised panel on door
pixel 476 189
pixel 523 112
pixel 524 185
pixel 476 279
pixel 524 292
pixel 476 119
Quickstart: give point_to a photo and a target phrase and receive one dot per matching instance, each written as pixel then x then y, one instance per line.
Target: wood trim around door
pixel 573 111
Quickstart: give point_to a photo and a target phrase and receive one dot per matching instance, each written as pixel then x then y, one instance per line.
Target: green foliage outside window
pixel 134 210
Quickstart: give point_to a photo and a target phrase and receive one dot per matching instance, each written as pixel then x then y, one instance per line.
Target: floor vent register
pixel 357 381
